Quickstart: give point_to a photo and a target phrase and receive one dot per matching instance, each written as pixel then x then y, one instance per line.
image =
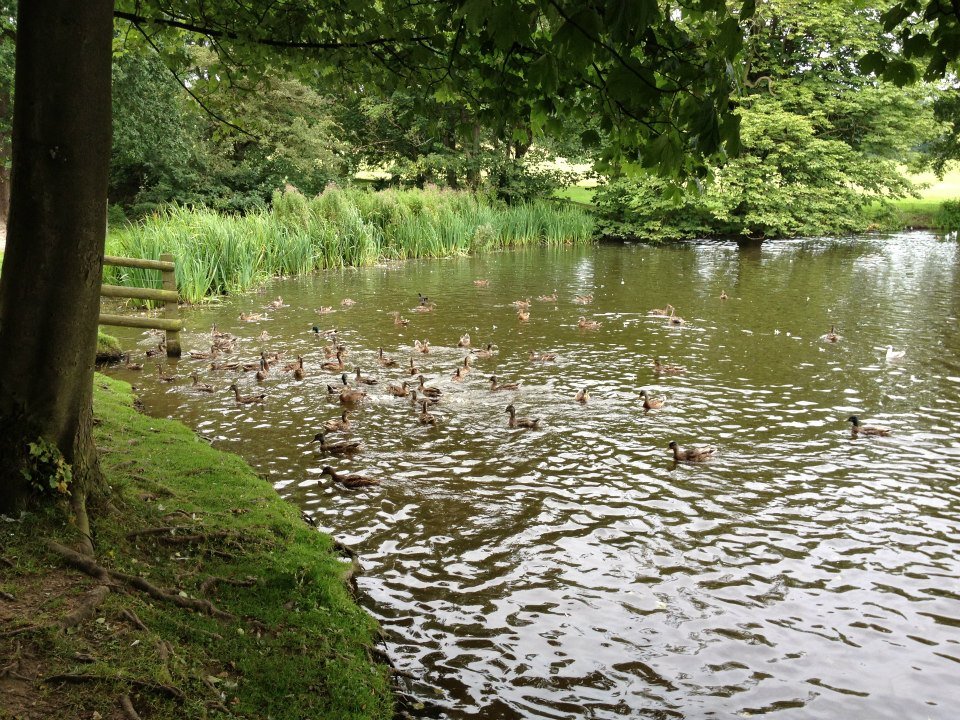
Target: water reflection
pixel 575 571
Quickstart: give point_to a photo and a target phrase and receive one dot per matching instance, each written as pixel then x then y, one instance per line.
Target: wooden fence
pixel 169 296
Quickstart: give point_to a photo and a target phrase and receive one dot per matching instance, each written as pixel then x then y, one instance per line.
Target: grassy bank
pixel 277 633
pixel 219 254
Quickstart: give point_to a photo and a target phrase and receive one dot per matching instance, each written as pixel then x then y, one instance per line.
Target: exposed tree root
pixel 7 596
pixel 87 608
pixel 207 585
pixel 167 690
pixel 128 709
pixel 163 530
pixel 78 504
pixel 20 630
pixel 89 566
pixel 8 563
pixel 136 621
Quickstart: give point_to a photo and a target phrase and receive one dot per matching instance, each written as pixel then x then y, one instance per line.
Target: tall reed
pixel 224 254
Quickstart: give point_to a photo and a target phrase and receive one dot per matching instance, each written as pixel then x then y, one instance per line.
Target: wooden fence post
pixel 171 309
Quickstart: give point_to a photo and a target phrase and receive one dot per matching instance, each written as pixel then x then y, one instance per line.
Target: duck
pixel 458 375
pixel 466 367
pixel 894 355
pixel 291 366
pixel 423 347
pixel 325 310
pixel 199 386
pixel 650 403
pixel 522 304
pixel 299 373
pixel 426 418
pixel 464 340
pixel 523 316
pixel 262 372
pixel 723 295
pixel 350 480
pixel 337 366
pixel 211 355
pixel 423 299
pixel 497 385
pixel 665 311
pixel 858 429
pixel 219 335
pixel 385 361
pixel 522 422
pixel 535 356
pixel 331 350
pixel 276 304
pixel 340 424
pixel 585 324
pixel 413 369
pixel 246 399
pixel 675 319
pixel 424 308
pixel 424 389
pixel 481 282
pixel 582 396
pixel 583 299
pixel 252 317
pixel 164 378
pixel 831 336
pixel 548 298
pixel 365 380
pixel 400 390
pixel 263 336
pixel 694 454
pixel 661 369
pixel 415 399
pixel 317 332
pixel 486 352
pixel 160 349
pixel 338 447
pixel 349 395
pixel 131 365
pixel 397 320
pixel 347 302
pixel 224 366
pixel 260 364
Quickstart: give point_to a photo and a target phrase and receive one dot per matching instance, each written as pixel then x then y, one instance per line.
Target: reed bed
pixel 226 254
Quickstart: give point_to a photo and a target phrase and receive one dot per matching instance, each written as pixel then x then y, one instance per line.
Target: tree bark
pixel 49 286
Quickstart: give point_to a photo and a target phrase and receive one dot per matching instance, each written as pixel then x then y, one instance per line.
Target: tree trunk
pixel 49 287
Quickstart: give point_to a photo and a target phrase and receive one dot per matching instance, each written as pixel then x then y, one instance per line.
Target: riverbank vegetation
pixel 219 600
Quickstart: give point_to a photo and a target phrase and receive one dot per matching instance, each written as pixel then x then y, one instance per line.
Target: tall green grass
pixel 224 254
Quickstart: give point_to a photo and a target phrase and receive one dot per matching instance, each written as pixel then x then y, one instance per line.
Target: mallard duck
pixel 317 332
pixel 222 345
pixel 340 424
pixel 416 399
pixel 424 300
pixel 160 349
pixel 400 390
pixel 858 429
pixel 252 317
pixel 548 298
pixel 535 356
pixel 164 378
pixel 263 336
pixel 458 375
pixel 464 340
pixel 481 283
pixel 262 372
pixel 397 320
pixel 675 319
pixel 199 386
pixel 385 361
pixel 423 347
pixel 522 422
pixel 585 324
pixel 723 295
pixel 694 454
pixel 582 396
pixel 276 304
pixel 486 352
pixel 583 299
pixel 245 399
pixel 428 307
pixel 497 385
pixel 347 302
pixel 522 304
pixel 426 418
pixel 660 369
pixel 351 480
pixel 260 364
pixel 523 316
pixel 338 447
pixel 291 366
pixel 131 365
pixel 650 403
pixel 299 373
pixel 351 396
pixel 894 355
pixel 337 366
pixel 225 366
pixel 424 389
pixel 365 380
pixel 217 334
pixel 413 369
pixel 212 354
pixel 661 312
pixel 324 309
pixel 466 365
pixel 831 336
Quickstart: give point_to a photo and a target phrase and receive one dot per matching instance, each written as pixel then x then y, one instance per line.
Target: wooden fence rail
pixel 170 322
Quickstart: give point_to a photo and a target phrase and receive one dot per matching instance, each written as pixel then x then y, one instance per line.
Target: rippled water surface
pixel 575 570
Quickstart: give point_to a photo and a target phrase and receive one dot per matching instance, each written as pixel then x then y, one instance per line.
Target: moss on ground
pixel 108 347
pixel 294 645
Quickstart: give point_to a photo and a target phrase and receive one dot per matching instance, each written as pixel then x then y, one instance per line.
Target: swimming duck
pixel 523 316
pixel 415 399
pixel 423 347
pixel 131 365
pixel 426 418
pixel 427 307
pixel 650 403
pixel 245 399
pixel 351 396
pixel 723 295
pixel 481 283
pixel 365 380
pixel 661 312
pixel 160 349
pixel 522 304
pixel 299 373
pixel 535 356
pixel 397 320
pixel 262 372
pixel 458 375
pixel 831 336
pixel 225 366
pixel 164 378
pixel 585 324
pixel 199 386
pixel 424 300
pixel 660 369
pixel 276 304
pixel 335 366
pixel 260 364
pixel 214 351
pixel 464 340
pixel 583 299
pixel 522 422
pixel 694 454
pixel 350 480
pixel 548 298
pixel 291 366
pixel 466 365
pixel 263 336
pixel 858 429
pixel 424 389
pixel 486 352
pixel 675 319
pixel 582 396
pixel 497 385
pixel 413 369
pixel 894 355
pixel 217 334
pixel 385 361
pixel 340 424
pixel 317 332
pixel 324 309
pixel 400 390
pixel 252 317
pixel 338 447
pixel 347 302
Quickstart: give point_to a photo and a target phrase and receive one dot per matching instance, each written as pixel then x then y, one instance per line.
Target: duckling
pixel 464 340
pixel 397 320
pixel 252 317
pixel 160 349
pixel 427 390
pixel 522 422
pixel 660 369
pixel 694 454
pixel 337 366
pixel 351 480
pixel 723 295
pixel 399 390
pixel 423 347
pixel 535 356
pixel 481 283
pixel 347 302
pixel 245 399
pixel 585 324
pixel 858 429
pixel 164 378
pixel 583 299
pixel 413 369
pixel 831 336
pixel 385 361
pixel 365 380
pixel 131 365
pixel 426 418
pixel 199 386
pixel 324 309
pixel 338 447
pixel 650 403
pixel 486 352
pixel 262 372
pixel 661 312
pixel 299 373
pixel 523 316
pixel 583 396
pixel 548 298
pixel 496 385
pixel 340 424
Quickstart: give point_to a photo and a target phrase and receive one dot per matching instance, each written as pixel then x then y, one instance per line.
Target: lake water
pixel 575 570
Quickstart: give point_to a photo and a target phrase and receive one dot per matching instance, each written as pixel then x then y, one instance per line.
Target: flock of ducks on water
pixel 420 395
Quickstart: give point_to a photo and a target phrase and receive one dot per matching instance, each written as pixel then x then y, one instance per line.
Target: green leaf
pixel 873 62
pixel 748 9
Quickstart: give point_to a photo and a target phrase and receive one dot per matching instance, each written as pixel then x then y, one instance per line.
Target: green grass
pixel 108 347
pixel 297 645
pixel 577 194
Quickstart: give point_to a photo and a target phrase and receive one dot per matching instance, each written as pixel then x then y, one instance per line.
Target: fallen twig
pixel 132 617
pixel 19 630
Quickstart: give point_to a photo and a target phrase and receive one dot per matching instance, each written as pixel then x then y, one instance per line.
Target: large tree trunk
pixel 49 287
